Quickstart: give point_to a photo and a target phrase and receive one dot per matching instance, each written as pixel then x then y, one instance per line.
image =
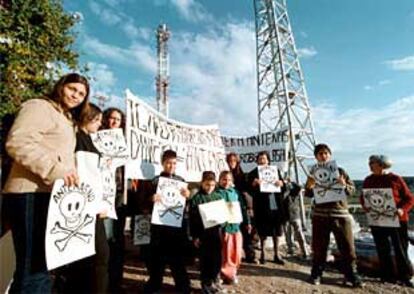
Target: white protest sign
pixel 235 213
pixel 112 145
pixel 70 229
pixel 275 143
pixel 109 192
pixel 149 133
pixel 213 213
pixel 87 165
pixel 142 229
pixel 327 189
pixel 169 211
pixel 382 209
pixel 269 175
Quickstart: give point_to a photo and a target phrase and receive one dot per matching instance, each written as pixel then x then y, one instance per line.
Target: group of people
pixel 42 143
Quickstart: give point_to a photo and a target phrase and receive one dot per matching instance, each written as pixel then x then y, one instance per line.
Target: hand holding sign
pixel 324 178
pixel 169 203
pixel 269 179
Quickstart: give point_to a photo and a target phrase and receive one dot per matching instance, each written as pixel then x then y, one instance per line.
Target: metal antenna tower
pixel 163 70
pixel 282 97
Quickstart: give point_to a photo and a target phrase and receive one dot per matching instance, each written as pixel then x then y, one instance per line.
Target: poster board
pixel 269 175
pixel 169 211
pixel 327 189
pixel 213 213
pixel 70 229
pixel 382 208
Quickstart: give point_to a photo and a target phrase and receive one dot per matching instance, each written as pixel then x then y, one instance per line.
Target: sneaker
pixel 219 288
pixel 315 280
pixel 355 280
pixel 278 260
pixel 408 283
pixel 208 289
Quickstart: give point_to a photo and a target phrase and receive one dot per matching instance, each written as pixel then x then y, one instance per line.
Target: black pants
pixel 399 241
pixel 341 227
pixel 167 247
pixel 27 215
pixel 248 245
pixel 210 255
pixel 117 251
pixel 88 275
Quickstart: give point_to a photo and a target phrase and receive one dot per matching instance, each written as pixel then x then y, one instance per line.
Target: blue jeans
pixel 27 214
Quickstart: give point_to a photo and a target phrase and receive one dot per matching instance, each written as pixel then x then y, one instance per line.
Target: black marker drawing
pixel 169 211
pixel 382 209
pixel 327 188
pixel 71 202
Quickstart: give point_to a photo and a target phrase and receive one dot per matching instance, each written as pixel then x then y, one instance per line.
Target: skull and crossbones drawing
pixel 109 145
pixel 268 175
pixel 380 206
pixel 142 227
pixel 171 202
pixel 71 203
pixel 326 180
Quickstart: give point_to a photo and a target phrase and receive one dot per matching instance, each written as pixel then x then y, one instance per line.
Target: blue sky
pixel 357 58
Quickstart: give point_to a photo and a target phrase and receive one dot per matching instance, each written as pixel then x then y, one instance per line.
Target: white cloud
pixel 107 16
pixel 191 10
pixel 403 64
pixel 377 85
pixel 307 52
pixel 113 16
pixel 367 87
pixel 213 78
pixel 103 78
pixel 355 134
pixel 136 55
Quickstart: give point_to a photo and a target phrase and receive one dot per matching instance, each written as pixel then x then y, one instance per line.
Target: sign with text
pixel 149 133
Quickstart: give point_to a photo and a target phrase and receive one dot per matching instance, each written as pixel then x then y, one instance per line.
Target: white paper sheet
pixel 214 213
pixel 269 175
pixel 70 230
pixel 382 209
pixel 142 232
pixel 169 211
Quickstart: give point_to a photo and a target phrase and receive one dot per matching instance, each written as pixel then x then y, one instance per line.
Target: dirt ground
pixel 267 278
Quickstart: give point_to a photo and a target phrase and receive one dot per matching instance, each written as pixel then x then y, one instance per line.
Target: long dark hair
pixel 107 113
pixel 57 93
pixel 237 171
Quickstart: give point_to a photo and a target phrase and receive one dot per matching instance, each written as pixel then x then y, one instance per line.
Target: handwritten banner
pixel 149 133
pixel 276 143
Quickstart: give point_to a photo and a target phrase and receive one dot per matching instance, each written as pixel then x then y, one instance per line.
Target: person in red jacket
pixel 404 201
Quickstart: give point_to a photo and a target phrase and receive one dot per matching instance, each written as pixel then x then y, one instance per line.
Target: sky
pixel 357 58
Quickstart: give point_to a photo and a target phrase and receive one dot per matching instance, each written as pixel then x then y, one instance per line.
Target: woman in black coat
pixel 267 209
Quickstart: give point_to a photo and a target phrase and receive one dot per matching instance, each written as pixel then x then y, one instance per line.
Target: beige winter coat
pixel 41 143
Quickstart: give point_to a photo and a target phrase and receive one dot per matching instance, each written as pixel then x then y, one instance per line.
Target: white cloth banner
pixel 169 211
pixel 269 175
pixel 70 229
pixel 382 209
pixel 327 189
pixel 214 213
pixel 276 143
pixel 149 133
pixel 142 229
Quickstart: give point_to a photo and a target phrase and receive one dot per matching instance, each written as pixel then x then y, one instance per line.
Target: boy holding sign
pixel 207 213
pixel 332 217
pixel 168 243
